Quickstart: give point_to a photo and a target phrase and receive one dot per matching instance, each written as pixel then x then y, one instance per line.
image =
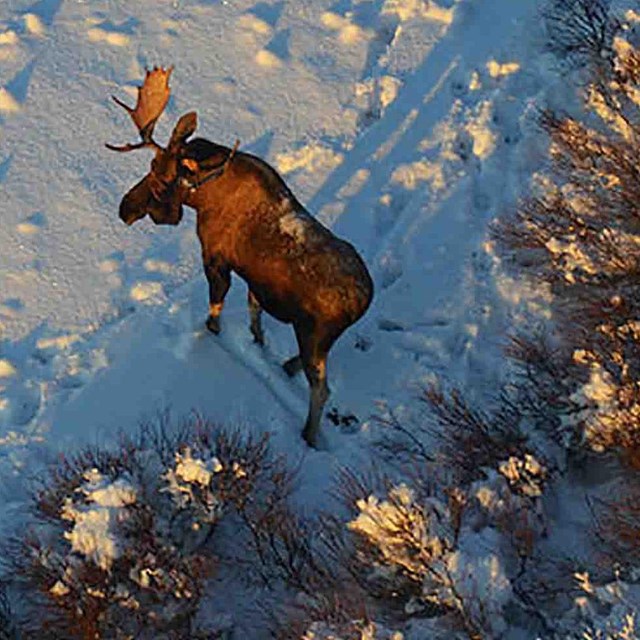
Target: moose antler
pixel 153 96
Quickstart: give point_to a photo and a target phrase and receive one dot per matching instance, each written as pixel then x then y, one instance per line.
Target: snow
pixel 404 125
pixel 190 476
pixel 526 475
pixel 482 584
pixel 96 516
pixel 312 158
pixel 404 532
pixel 293 224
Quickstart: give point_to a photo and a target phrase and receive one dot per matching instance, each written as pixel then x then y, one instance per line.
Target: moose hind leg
pixel 255 316
pixel 219 279
pixel 316 372
pixel 313 356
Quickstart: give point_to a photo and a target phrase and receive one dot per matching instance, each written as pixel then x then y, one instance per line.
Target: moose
pixel 250 223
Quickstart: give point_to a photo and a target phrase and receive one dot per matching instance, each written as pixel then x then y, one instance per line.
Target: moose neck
pixel 212 160
pixel 232 182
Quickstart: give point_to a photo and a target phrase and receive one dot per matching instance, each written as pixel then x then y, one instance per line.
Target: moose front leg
pixel 219 279
pixel 255 315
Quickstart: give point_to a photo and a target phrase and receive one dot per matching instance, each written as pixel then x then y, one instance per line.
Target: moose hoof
pixel 213 324
pixel 310 436
pixel 309 440
pixel 292 366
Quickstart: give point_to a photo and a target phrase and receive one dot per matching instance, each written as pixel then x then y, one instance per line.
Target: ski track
pixel 64 376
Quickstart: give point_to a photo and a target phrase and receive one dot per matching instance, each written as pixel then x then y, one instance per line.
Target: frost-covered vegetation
pixel 120 542
pixel 578 235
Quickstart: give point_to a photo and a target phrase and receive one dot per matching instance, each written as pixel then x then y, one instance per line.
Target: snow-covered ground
pixel 404 125
pixel 397 123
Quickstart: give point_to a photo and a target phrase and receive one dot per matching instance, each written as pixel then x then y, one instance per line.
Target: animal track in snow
pixel 269 13
pixel 33 24
pixel 40 369
pixel 373 96
pixel 46 10
pixel 8 104
pixel 313 157
pixel 14 94
pixel 25 28
pixel 116 35
pixel 32 224
pixel 388 209
pixel 11 307
pixel 257 30
pixel 22 403
pixel 347 31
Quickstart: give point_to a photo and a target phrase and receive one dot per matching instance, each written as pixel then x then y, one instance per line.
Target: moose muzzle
pixel 140 201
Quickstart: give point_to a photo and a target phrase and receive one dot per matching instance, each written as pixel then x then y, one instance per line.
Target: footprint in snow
pixel 389 270
pixel 19 402
pixel 114 34
pixel 11 308
pixel 388 209
pixel 32 224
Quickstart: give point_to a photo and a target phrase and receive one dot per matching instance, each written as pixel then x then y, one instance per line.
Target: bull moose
pixel 249 222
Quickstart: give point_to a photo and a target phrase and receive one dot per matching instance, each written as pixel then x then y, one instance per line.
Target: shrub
pixel 579 231
pixel 617 521
pixel 352 630
pixel 605 611
pixel 415 552
pixel 121 542
pixel 8 626
pixel 580 31
pixel 323 616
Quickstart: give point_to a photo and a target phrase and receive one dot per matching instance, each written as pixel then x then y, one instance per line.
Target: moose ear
pixel 185 127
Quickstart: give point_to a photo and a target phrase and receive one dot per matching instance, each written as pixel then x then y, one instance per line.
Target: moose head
pixel 160 193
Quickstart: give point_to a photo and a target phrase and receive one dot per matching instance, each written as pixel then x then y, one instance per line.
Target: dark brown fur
pixel 249 222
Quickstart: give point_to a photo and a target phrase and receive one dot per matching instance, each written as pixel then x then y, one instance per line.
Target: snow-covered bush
pixel 455 556
pixel 121 542
pixel 415 553
pixel 482 455
pixel 511 507
pixel 618 523
pixel 607 611
pixel 579 232
pixel 400 535
pixel 211 472
pixel 329 615
pixel 104 561
pixel 354 630
pixel 471 440
pixel 454 442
